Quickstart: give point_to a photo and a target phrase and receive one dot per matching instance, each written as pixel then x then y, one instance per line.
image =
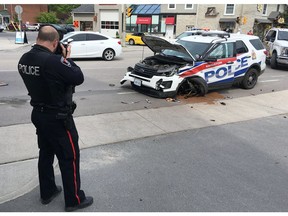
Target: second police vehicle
pixel 196 64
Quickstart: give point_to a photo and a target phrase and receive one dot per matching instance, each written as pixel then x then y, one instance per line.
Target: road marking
pixel 265 81
pixel 123 93
pixel 8 71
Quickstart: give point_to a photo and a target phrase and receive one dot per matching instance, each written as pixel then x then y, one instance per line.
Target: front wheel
pixel 195 86
pixel 250 79
pixel 131 42
pixel 108 54
pixel 273 61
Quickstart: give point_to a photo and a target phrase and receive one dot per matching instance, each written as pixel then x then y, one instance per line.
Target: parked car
pixel 276 43
pixel 89 44
pixel 134 38
pixel 196 64
pixel 33 27
pixel 2 28
pixel 68 27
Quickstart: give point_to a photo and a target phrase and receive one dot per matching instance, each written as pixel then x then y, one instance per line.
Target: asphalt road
pixel 240 167
pixel 102 92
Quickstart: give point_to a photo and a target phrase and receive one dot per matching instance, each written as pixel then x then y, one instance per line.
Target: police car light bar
pixel 217 34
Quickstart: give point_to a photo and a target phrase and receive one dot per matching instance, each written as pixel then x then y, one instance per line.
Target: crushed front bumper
pixel 156 86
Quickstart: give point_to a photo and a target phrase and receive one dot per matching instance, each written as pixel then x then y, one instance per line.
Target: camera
pixel 65 44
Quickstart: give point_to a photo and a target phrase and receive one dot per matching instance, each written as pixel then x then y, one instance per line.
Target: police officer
pixel 50 80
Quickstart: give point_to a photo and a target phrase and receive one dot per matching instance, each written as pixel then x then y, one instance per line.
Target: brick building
pixel 29 15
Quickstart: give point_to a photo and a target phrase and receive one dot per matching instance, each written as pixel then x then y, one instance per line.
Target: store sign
pixel 144 20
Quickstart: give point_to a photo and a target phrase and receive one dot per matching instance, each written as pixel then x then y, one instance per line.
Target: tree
pixel 47 17
pixel 63 11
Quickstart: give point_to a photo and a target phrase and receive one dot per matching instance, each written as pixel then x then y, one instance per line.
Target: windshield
pixel 194 47
pixel 283 35
pixel 174 53
pixel 183 34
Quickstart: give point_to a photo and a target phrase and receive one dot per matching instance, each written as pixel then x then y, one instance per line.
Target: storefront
pixel 147 18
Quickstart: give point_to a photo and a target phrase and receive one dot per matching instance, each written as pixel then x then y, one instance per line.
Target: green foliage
pixel 49 17
pixel 63 11
pixel 69 21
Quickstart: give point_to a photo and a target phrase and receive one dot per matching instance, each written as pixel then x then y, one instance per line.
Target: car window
pixel 241 47
pixel 195 48
pixel 95 37
pixel 271 35
pixel 257 44
pixel 79 37
pixel 282 35
pixel 223 50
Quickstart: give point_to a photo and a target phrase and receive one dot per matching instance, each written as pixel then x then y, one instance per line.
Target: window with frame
pixel 223 50
pixel 241 47
pixel 264 11
pixel 171 6
pixel 109 24
pixel 229 9
pixel 79 37
pixel 188 6
pixel 95 37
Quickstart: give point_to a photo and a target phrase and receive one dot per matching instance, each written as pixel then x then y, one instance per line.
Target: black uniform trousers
pixel 55 139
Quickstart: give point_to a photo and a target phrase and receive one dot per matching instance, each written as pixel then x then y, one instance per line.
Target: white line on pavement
pixel 265 81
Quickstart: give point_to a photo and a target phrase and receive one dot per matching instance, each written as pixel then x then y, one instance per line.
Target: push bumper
pixel 282 60
pixel 157 86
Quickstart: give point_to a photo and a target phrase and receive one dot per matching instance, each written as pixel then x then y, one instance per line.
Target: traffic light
pixel 244 20
pixel 129 11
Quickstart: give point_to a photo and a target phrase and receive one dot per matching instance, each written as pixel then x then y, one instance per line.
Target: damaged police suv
pixel 195 64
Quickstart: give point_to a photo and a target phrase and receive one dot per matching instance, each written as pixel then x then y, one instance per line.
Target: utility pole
pixel 124 9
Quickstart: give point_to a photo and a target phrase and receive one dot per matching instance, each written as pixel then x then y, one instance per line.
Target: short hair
pixel 48 33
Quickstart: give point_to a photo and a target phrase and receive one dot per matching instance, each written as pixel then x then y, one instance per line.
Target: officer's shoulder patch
pixel 65 62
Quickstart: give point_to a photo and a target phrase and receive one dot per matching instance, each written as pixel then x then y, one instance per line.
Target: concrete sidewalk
pixel 18 158
pixel 9 44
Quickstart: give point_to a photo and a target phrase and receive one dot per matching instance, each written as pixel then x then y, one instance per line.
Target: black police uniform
pixel 50 81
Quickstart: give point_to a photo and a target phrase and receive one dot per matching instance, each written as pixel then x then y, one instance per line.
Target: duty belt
pixel 45 109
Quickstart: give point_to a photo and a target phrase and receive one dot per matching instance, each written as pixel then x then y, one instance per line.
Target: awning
pixel 263 21
pixel 227 20
pixel 144 20
pixel 273 15
pixel 170 21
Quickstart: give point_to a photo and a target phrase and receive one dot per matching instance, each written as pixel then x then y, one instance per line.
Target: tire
pixel 250 79
pixel 131 42
pixel 273 61
pixel 108 54
pixel 195 86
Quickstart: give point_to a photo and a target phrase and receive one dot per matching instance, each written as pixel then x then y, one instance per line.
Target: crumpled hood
pixel 157 44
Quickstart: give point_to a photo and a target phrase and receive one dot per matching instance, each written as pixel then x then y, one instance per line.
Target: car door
pixel 96 44
pixel 269 40
pixel 220 66
pixel 78 46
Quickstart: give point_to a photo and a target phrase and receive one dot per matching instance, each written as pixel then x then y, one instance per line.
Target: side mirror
pixel 69 40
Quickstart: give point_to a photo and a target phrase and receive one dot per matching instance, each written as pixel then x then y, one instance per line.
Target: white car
pixel 196 64
pixel 2 27
pixel 32 27
pixel 88 44
pixel 276 43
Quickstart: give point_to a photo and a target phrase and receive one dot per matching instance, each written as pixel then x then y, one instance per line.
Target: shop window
pixel 86 25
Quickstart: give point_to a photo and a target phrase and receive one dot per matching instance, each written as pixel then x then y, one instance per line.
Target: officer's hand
pixel 66 51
